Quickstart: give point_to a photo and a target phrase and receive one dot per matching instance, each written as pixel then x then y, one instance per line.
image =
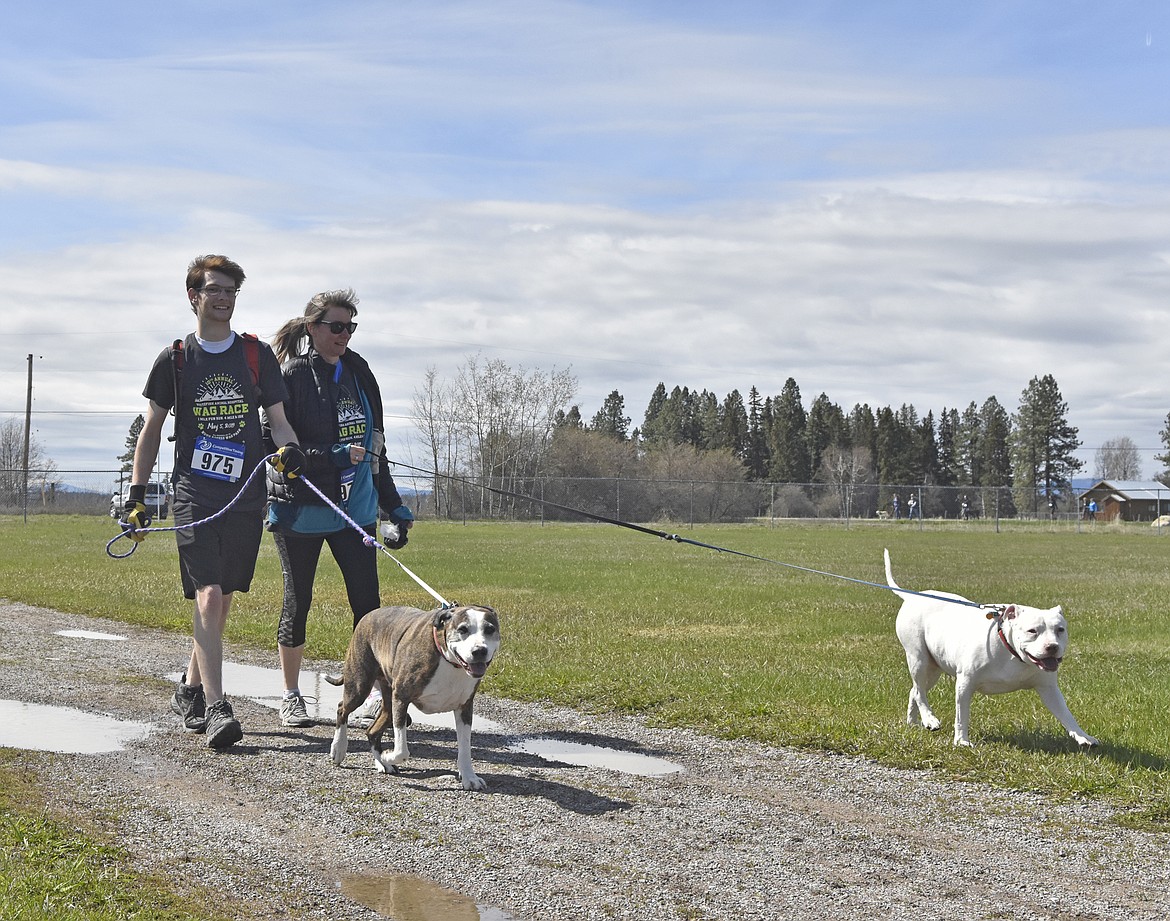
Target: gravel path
pixel 744 831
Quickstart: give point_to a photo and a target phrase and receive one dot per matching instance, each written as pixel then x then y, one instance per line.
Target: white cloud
pixel 880 210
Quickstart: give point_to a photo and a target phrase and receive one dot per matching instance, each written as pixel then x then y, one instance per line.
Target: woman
pixel 335 407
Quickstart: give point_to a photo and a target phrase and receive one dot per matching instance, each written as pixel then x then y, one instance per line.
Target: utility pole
pixel 27 436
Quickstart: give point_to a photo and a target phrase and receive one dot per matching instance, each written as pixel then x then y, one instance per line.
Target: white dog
pixel 1008 648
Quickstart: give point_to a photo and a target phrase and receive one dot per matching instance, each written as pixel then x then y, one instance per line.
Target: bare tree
pixel 434 417
pixel 844 468
pixel 492 422
pixel 41 469
pixel 1118 459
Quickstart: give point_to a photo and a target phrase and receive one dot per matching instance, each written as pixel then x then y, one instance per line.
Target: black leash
pixel 678 538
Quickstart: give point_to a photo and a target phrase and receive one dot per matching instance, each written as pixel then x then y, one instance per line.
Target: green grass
pixel 605 619
pixel 49 869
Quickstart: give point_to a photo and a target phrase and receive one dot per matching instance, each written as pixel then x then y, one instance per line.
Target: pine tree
pixel 757 457
pixel 127 459
pixel 1044 441
pixel 733 421
pixel 611 419
pixel 786 439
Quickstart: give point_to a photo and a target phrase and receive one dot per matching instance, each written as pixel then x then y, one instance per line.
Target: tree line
pixel 506 428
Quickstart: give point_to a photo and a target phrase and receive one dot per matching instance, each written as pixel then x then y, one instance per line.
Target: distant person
pixel 912 507
pixel 1052 507
pixel 966 509
pixel 335 405
pixel 897 507
pixel 216 392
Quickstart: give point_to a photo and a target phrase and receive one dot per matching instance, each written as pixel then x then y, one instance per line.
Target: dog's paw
pixel 383 764
pixel 397 756
pixel 1086 741
pixel 472 781
pixel 337 751
pixel 932 723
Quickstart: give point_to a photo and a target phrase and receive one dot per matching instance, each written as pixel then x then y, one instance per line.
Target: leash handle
pixel 135 541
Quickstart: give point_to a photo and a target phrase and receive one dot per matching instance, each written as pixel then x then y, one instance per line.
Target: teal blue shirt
pixel 361 497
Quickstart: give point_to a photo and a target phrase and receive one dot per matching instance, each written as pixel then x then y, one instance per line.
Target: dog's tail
pixel 335 680
pixel 890 572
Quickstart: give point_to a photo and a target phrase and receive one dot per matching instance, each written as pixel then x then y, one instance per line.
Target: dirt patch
pixel 744 831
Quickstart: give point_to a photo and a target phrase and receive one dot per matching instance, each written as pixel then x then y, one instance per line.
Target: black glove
pixel 288 460
pixel 134 514
pixel 394 530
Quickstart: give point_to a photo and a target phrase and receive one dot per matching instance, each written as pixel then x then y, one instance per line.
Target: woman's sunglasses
pixel 337 327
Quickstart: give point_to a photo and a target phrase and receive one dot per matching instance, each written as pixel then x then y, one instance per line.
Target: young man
pixel 216 388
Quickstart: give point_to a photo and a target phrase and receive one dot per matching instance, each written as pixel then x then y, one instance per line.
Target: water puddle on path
pixel 265 686
pixel 412 898
pixel 596 756
pixel 62 729
pixel 91 635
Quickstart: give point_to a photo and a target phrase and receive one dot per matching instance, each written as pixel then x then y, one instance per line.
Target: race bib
pixel 218 459
pixel 347 478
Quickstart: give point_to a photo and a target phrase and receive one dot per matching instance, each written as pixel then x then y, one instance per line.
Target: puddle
pixel 596 756
pixel 91 635
pixel 62 729
pixel 265 686
pixel 412 898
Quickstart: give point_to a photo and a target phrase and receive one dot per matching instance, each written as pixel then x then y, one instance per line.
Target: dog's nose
pixel 479 653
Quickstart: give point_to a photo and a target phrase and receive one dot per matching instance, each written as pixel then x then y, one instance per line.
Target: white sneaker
pixel 363 717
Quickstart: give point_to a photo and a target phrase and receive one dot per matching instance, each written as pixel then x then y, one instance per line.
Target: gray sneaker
pixel 223 729
pixel 190 705
pixel 363 717
pixel 293 712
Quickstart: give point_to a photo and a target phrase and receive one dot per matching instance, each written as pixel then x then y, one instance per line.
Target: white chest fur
pixel 448 689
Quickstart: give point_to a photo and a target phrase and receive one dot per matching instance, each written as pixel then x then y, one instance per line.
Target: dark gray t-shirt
pixel 217 423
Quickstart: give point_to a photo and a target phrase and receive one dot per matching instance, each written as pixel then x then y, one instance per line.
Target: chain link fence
pixel 679 502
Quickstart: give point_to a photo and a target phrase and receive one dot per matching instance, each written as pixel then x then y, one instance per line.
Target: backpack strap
pixel 177 366
pixel 252 354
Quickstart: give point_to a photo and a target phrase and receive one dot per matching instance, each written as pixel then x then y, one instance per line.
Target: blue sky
pixel 890 202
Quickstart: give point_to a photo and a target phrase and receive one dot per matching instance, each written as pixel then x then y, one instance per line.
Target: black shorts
pixel 221 552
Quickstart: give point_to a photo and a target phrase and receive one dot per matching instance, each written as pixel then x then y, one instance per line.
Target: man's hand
pixel 134 514
pixel 288 460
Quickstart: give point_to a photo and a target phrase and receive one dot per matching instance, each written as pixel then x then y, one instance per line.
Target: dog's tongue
pixel 1049 664
pixel 477 669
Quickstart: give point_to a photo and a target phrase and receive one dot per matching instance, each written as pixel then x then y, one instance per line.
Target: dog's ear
pixel 441 617
pixel 1010 612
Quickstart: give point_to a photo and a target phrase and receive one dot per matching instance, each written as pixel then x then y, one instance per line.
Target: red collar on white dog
pixel 996 614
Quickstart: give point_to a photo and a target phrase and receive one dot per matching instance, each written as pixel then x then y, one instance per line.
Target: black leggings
pixel 299 554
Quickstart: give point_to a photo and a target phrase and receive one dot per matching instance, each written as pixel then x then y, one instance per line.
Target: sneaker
pixel 293 712
pixel 223 729
pixel 188 702
pixel 363 717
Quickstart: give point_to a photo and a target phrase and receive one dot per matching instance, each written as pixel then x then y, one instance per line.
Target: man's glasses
pixel 337 327
pixel 217 290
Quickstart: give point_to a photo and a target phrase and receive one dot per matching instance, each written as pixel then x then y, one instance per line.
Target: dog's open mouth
pixel 477 669
pixel 1048 663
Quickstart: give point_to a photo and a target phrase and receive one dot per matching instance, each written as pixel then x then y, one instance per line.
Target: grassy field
pixel 605 619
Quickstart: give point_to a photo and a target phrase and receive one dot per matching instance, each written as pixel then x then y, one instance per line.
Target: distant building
pixel 1128 500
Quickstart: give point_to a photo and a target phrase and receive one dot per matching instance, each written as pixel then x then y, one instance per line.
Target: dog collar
pixel 449 654
pixel 1003 639
pixel 996 614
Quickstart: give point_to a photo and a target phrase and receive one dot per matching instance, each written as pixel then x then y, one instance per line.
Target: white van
pixel 157 500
